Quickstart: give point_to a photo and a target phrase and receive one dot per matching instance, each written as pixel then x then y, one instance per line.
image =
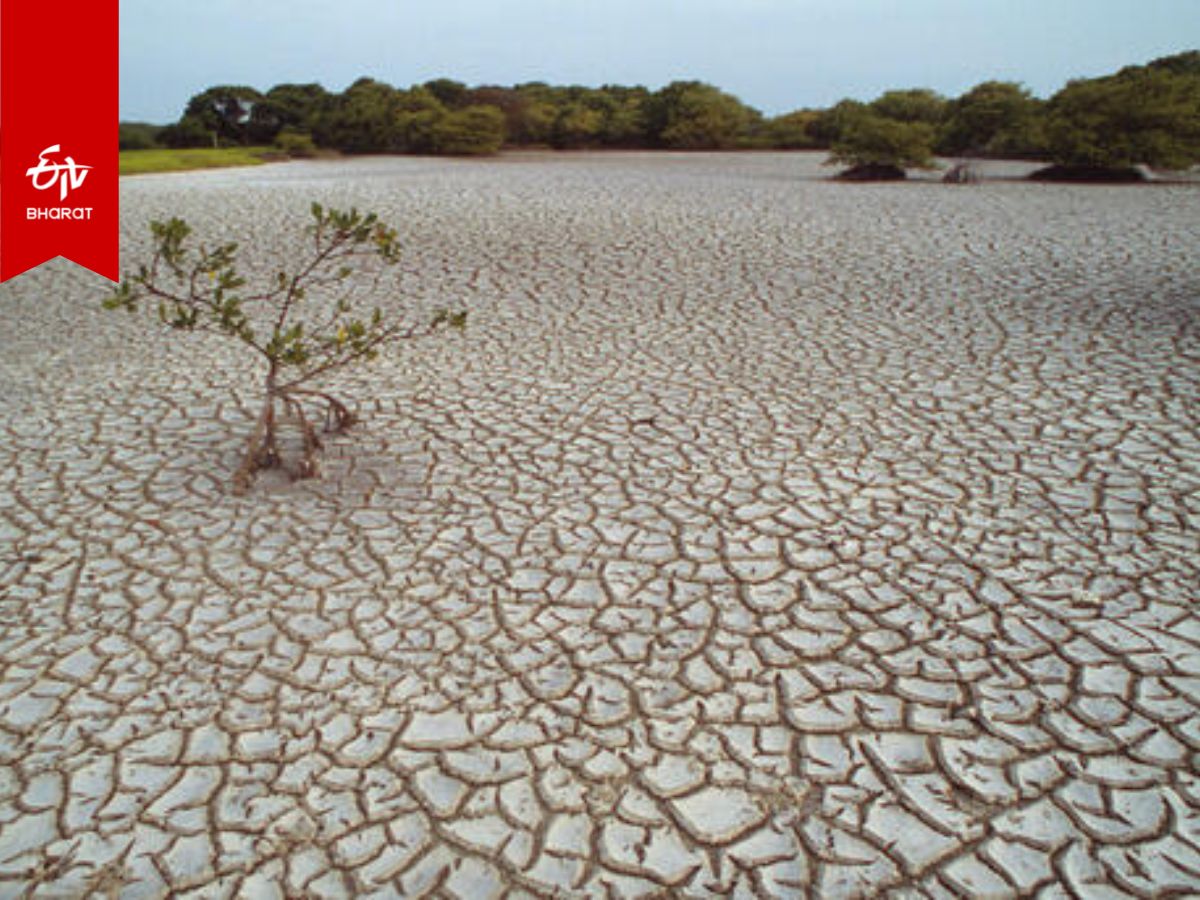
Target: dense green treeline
pixel 1141 115
pixel 445 116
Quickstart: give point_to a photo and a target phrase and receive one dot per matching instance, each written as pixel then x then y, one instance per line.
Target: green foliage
pixel 189 131
pixel 199 289
pixel 296 144
pixel 1147 115
pixel 537 124
pixel 624 110
pixel 471 131
pixel 691 115
pixel 913 105
pixel 362 119
pixel 869 139
pixel 792 131
pixel 138 135
pixel 577 124
pixel 372 117
pixel 995 118
pixel 575 117
pixel 286 107
pixel 417 120
pixel 506 99
pixel 455 319
pixel 1186 63
pixel 828 126
pixel 224 111
pixel 1087 122
pixel 448 92
pixel 532 121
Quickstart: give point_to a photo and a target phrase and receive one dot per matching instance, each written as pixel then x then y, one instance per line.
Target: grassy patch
pixel 140 162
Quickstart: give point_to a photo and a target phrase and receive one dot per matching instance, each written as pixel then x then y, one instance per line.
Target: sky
pixel 775 55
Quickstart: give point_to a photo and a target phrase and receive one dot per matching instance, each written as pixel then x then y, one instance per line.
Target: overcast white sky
pixel 776 55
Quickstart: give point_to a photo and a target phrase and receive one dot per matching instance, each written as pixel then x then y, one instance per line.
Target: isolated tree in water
pixel 305 324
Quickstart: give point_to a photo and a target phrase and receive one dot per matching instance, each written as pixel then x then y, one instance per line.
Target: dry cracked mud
pixel 759 536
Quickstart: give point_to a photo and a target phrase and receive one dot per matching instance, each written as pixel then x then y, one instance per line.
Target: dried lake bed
pixel 759 536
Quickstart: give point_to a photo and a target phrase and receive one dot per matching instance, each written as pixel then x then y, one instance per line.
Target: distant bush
pixel 224 111
pixel 828 126
pixel 995 118
pixel 364 118
pixel 285 107
pixel 188 132
pixel 472 131
pixel 872 142
pixel 296 144
pixel 138 135
pixel 791 131
pixel 577 125
pixel 1148 115
pixel 691 115
pixel 912 105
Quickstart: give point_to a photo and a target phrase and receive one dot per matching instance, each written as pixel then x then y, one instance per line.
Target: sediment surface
pixel 759 536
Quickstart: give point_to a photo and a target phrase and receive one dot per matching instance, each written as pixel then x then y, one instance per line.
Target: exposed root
pixel 338 417
pixel 312 443
pixel 262 451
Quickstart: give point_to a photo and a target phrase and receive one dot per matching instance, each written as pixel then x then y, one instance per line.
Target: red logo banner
pixel 58 135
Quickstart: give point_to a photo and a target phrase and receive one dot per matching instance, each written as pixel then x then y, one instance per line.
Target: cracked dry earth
pixel 759 536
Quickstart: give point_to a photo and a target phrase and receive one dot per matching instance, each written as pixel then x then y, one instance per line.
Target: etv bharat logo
pixel 68 175
pixel 71 172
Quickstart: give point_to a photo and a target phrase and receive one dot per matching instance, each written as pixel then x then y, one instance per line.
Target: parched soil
pixel 760 535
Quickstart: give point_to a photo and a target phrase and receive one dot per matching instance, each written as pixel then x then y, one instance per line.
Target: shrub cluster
pixel 1140 115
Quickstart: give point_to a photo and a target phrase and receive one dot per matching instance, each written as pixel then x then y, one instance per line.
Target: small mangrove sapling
pixel 305 324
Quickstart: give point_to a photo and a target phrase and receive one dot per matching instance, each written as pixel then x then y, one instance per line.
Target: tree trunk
pixel 262 451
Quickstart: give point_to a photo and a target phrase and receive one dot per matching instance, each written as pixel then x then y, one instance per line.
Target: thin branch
pixel 295 286
pixel 384 337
